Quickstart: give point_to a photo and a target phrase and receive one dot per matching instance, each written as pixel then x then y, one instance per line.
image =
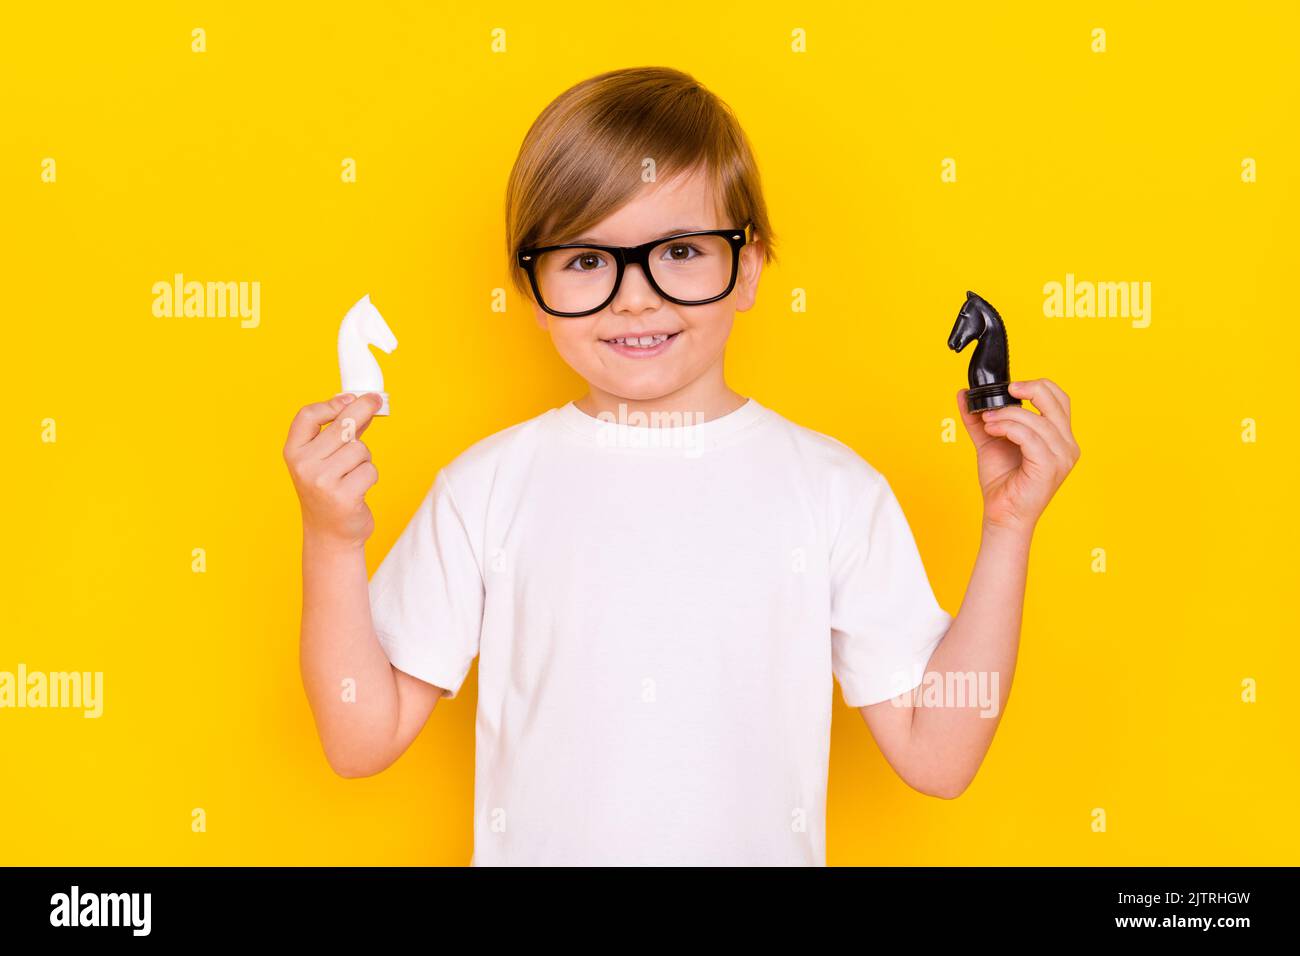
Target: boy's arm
pixel 938 749
pixel 367 712
pixel 1023 457
pixel 367 729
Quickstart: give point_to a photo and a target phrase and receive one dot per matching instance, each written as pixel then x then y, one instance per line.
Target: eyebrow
pixel 672 231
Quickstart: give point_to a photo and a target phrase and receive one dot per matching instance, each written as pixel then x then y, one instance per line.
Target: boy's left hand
pixel 1023 456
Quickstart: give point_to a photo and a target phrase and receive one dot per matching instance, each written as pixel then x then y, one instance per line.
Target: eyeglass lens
pixel 694 268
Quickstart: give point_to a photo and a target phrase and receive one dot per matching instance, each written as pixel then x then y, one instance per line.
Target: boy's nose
pixel 635 290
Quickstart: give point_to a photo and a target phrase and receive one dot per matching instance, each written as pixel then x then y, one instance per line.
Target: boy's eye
pixel 678 252
pixel 585 262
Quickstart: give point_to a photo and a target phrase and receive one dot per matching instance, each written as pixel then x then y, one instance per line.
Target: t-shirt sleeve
pixel 426 597
pixel 885 619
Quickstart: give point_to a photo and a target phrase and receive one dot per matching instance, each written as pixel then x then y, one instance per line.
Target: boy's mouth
pixel 642 346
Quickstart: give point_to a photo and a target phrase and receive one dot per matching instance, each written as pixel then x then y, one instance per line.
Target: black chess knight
pixel 990 364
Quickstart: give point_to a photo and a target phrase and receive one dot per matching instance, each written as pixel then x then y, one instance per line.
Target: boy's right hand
pixel 331 468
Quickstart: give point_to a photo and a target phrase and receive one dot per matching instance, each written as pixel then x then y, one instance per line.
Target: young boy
pixel 661 579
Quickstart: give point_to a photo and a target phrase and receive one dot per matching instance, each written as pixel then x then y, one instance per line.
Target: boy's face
pixel 693 355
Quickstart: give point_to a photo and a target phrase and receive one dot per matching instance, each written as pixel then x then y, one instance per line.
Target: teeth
pixel 644 341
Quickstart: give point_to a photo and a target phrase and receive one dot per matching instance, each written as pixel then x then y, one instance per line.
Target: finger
pixel 346 458
pixel 307 423
pixel 1068 428
pixel 347 426
pixel 1045 400
pixel 1061 419
pixel 1059 392
pixel 349 433
pixel 1040 424
pixel 1035 451
pixel 972 421
pixel 360 478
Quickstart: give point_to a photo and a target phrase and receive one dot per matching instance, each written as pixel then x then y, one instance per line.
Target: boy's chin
pixel 630 390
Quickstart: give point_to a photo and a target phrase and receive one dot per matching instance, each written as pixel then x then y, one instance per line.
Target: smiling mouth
pixel 645 346
pixel 648 342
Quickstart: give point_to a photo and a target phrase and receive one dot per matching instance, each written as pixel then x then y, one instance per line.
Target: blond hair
pixel 583 156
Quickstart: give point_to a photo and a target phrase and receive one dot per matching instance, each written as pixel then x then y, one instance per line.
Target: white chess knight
pixel 361 328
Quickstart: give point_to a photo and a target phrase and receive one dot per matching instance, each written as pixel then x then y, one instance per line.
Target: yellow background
pixel 225 165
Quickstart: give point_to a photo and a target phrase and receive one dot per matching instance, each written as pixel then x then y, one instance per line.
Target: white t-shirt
pixel 658 613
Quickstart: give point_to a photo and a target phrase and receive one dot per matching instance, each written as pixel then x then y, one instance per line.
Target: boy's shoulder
pixel 473 473
pixel 486 452
pixel 845 469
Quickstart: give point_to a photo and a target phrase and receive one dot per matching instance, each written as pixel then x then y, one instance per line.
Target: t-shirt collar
pixel 656 431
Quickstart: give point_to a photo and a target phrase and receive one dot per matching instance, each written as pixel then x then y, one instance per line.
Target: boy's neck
pixel 700 398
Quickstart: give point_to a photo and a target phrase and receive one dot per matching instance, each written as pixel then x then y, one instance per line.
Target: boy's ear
pixel 751 268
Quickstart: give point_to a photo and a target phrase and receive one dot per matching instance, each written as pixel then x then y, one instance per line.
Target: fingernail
pixel 347 398
pixel 1017 385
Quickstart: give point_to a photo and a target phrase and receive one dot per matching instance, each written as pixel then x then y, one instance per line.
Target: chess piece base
pixel 981 398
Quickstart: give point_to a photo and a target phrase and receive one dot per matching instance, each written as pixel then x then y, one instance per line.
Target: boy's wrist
pixel 1007 536
pixel 322 543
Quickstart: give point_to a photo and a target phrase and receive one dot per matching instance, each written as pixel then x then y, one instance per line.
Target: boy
pixel 661 579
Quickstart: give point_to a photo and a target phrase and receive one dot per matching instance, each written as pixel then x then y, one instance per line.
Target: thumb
pixel 361 410
pixel 973 421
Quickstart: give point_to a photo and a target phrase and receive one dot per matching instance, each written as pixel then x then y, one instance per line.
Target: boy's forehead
pixel 684 204
pixel 610 237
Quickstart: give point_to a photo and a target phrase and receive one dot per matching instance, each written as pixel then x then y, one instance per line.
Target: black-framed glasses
pixel 689 268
